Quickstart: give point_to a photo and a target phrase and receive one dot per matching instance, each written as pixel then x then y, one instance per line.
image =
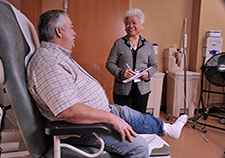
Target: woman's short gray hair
pixel 137 12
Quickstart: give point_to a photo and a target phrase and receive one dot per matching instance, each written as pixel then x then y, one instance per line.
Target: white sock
pixel 174 130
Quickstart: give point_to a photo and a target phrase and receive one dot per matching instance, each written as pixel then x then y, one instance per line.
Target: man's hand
pixel 83 114
pixel 123 128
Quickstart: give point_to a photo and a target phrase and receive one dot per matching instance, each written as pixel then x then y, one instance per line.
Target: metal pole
pixel 185 65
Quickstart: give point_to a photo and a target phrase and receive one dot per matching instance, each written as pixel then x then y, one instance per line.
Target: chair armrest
pixel 65 128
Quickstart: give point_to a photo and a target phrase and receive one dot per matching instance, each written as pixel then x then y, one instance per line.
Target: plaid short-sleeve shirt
pixel 57 82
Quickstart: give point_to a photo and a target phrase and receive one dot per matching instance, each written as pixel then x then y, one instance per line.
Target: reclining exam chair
pixel 38 136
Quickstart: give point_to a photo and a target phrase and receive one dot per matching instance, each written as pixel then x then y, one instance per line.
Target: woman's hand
pixel 128 73
pixel 144 76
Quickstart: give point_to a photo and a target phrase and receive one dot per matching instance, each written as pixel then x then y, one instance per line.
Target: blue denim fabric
pixel 141 123
pixel 137 149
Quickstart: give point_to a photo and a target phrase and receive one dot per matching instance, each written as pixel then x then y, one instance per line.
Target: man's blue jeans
pixel 141 123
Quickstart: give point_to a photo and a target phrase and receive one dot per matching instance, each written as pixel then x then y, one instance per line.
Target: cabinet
pixel 155 97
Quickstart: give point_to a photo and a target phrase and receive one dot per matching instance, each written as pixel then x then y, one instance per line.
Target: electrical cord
pixel 198 132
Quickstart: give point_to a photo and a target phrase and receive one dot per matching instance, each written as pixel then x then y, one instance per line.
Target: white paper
pixel 136 76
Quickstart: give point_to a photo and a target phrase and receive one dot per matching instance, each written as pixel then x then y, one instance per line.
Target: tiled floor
pixel 192 145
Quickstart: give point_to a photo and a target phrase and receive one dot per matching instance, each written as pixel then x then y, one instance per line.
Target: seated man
pixel 63 90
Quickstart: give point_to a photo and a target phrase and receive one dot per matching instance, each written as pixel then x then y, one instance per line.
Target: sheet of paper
pixel 136 76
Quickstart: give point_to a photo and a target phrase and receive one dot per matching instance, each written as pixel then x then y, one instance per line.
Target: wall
pixel 31 8
pixel 51 4
pixel 212 17
pixel 207 15
pixel 164 21
pixel 163 25
pixel 98 24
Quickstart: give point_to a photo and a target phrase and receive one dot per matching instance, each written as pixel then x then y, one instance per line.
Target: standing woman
pixel 129 55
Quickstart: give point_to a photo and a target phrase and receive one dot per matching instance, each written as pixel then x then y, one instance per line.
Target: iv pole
pixel 184 39
pixel 184 33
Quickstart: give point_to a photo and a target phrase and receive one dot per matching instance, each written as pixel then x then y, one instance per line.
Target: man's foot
pixel 174 130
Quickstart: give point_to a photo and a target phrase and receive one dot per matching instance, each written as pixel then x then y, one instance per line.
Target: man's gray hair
pixel 48 21
pixel 137 12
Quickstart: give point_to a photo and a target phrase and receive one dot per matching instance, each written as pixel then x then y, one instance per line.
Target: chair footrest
pixel 164 151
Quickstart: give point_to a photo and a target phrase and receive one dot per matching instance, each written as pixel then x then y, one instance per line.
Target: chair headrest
pixel 28 31
pixel 2 75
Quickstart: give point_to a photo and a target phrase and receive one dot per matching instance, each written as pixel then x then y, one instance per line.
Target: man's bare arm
pixel 83 114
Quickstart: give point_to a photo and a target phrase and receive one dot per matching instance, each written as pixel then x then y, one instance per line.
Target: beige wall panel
pixel 164 21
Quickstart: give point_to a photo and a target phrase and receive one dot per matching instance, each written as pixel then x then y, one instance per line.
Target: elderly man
pixel 63 90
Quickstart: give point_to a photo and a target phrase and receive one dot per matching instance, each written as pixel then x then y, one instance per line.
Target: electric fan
pixel 214 70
